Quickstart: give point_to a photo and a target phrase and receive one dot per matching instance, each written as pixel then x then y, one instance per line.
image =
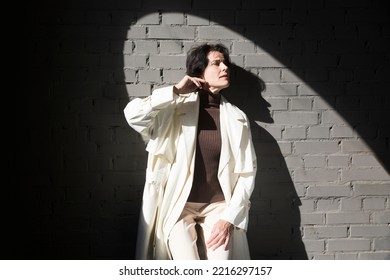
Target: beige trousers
pixel 192 230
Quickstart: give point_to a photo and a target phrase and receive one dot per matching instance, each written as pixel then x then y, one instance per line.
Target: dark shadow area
pixel 77 187
pixel 274 229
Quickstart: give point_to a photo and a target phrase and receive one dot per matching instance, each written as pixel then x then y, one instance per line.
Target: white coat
pixel 168 124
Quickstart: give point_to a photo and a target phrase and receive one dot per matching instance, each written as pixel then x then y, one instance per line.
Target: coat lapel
pixel 189 113
pixel 232 125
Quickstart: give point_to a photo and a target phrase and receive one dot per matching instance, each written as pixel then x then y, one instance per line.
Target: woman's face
pixel 216 73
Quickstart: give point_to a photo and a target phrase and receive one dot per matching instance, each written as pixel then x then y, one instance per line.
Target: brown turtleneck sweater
pixel 206 187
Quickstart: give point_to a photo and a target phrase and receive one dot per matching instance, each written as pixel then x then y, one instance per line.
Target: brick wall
pixel 311 75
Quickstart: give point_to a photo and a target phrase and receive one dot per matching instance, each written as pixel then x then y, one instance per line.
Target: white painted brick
pixel 332 117
pixel 167 61
pixel 319 132
pixel 296 118
pixel 292 75
pixel 307 206
pixel 328 89
pixel 346 256
pixel 321 232
pixel 312 147
pixel 127 47
pixel 382 243
pixel 213 32
pixel 374 256
pixel 275 131
pixel 348 245
pixel 321 104
pixel 150 75
pixel 134 61
pixel 364 174
pixel 370 231
pixel 382 217
pixel 314 161
pixel 277 103
pixel 315 175
pixel 347 218
pixel 136 32
pixel 262 60
pixel 129 75
pixel 146 47
pixel 172 32
pixel 237 60
pixel 328 191
pixel 351 204
pixel 328 205
pixel 323 257
pixel 294 161
pixel 170 47
pixel 338 160
pixel 374 203
pixel 301 189
pixel 338 131
pixel 372 189
pixel 269 74
pixel 138 90
pixel 364 160
pixel 354 146
pixel 295 133
pixel 280 90
pixel 201 19
pixel 312 219
pixel 301 103
pixel 173 76
pixel 285 147
pixel 243 47
pixel 172 18
pixel 314 245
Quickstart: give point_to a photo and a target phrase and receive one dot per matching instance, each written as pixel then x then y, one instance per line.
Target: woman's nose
pixel 223 66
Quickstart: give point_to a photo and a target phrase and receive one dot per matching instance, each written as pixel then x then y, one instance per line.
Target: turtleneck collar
pixel 208 99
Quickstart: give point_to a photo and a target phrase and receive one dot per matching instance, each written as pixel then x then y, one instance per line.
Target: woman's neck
pixel 208 99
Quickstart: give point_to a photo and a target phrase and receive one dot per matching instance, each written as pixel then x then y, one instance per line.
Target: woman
pixel 201 164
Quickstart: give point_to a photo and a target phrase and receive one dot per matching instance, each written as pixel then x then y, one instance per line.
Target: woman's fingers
pixel 220 235
pixel 189 84
pixel 226 244
pixel 197 81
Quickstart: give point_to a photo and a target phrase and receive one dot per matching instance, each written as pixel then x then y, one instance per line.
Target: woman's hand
pixel 220 235
pixel 188 84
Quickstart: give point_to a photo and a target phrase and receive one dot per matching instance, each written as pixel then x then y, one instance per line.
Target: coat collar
pixel 234 132
pixel 236 136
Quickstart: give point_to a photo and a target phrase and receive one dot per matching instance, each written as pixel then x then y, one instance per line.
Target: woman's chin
pixel 218 86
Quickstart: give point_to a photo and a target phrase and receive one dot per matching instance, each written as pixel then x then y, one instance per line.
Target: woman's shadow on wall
pixel 274 227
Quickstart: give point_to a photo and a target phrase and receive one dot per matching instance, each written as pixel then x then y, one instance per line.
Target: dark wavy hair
pixel 197 60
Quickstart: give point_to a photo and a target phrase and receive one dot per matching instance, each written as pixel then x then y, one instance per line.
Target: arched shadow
pixel 81 194
pixel 274 230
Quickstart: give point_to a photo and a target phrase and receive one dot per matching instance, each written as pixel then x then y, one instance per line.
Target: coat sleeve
pixel 237 208
pixel 140 113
